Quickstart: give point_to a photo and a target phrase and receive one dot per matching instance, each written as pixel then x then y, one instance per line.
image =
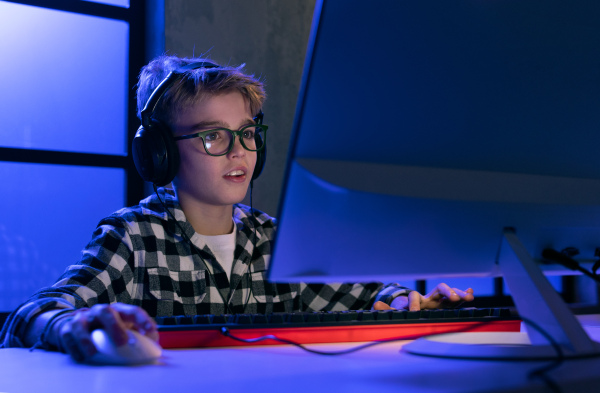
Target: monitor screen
pixel 425 128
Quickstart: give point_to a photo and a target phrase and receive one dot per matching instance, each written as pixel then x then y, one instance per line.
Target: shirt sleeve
pixel 341 297
pixel 391 291
pixel 100 277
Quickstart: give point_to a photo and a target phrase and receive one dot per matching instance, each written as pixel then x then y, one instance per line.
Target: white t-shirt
pixel 222 247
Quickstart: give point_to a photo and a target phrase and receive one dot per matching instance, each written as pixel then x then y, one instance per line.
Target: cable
pixel 541 372
pixel 249 272
pixel 560 357
pixel 198 251
pixel 226 332
pixel 568 262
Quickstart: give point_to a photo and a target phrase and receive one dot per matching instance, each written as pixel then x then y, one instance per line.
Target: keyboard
pixel 329 327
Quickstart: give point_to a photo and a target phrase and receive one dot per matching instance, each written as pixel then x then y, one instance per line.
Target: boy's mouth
pixel 236 173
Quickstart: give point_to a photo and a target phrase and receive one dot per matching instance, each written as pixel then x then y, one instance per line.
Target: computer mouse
pixel 139 349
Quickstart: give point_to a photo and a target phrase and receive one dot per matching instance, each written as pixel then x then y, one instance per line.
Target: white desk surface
pixel 378 369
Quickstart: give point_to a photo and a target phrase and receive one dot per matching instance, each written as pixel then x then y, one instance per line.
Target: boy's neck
pixel 208 220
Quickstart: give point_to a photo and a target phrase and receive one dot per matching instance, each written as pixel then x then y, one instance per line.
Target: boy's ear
pixel 155 153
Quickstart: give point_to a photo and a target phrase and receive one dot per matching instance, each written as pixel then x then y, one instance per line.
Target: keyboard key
pixel 184 320
pixel 260 318
pixel 203 319
pixel 243 319
pixel 451 313
pixel 398 315
pixel 167 321
pixel 221 319
pixel 312 317
pixel 481 312
pixel 501 312
pixel 277 318
pixel 295 318
pixel 329 316
pixel 433 314
pixel 366 316
pixel 385 315
pixel 346 316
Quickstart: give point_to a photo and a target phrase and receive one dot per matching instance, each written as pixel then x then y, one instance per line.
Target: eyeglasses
pixel 220 141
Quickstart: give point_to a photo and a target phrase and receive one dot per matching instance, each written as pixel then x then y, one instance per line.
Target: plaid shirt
pixel 139 256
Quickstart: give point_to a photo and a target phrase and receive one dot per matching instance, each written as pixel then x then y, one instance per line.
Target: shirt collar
pixel 153 207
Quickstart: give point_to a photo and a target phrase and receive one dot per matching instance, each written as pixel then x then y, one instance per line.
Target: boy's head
pixel 155 151
pixel 194 86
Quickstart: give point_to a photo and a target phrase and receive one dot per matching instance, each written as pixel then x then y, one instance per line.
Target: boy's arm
pixel 105 263
pixel 338 297
pixel 70 330
pixel 35 328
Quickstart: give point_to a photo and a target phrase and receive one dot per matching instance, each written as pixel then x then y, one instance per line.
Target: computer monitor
pixel 427 133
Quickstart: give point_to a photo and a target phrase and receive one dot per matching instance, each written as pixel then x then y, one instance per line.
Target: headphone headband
pixel 165 85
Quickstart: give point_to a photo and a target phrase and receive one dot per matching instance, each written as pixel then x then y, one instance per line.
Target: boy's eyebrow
pixel 216 124
pixel 208 124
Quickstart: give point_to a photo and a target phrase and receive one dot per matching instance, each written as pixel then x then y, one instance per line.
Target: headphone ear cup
pixel 261 158
pixel 155 154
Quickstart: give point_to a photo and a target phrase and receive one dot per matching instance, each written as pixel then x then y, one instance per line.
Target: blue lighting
pixel 64 80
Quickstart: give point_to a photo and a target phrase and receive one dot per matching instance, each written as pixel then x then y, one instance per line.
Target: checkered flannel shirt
pixel 139 256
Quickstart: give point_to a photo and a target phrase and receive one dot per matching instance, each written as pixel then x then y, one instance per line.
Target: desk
pixel 377 369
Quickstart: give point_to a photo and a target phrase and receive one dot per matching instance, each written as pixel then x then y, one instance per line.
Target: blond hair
pixel 194 85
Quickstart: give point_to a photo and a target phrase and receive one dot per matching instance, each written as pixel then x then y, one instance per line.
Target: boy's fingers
pixel 381 306
pixel 414 301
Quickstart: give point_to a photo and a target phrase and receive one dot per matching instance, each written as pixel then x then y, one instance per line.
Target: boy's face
pixel 221 180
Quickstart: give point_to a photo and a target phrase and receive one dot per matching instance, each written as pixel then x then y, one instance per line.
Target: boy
pixel 192 249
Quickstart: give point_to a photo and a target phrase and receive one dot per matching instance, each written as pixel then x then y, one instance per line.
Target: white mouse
pixel 138 350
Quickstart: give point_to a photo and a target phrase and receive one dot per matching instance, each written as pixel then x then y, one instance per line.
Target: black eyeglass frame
pixel 239 133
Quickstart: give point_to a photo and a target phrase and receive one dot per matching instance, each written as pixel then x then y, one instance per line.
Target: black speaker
pixel 155 152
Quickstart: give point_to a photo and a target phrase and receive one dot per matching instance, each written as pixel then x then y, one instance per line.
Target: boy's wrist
pixel 400 302
pixel 43 332
pixel 398 295
pixel 54 337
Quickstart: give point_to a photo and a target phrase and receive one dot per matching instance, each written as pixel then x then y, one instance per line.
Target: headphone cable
pixel 194 248
pixel 197 251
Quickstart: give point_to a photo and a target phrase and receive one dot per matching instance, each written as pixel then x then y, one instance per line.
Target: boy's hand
pixel 442 296
pixel 75 335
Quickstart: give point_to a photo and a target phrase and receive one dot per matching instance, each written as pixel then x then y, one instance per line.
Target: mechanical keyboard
pixel 329 327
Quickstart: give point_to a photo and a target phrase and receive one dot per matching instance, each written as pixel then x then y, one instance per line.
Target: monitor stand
pixel 552 329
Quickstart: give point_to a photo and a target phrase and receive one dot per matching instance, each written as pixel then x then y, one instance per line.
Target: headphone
pixel 155 152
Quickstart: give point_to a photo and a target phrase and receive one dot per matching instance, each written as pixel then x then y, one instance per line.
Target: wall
pixel 271 37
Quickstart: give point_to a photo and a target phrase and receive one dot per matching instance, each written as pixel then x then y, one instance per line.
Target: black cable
pixel 198 252
pixel 596 267
pixel 542 374
pixel 568 262
pixel 560 357
pixel 537 373
pixel 249 273
pixel 225 331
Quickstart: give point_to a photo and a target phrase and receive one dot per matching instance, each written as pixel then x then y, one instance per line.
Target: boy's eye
pixel 212 136
pixel 249 133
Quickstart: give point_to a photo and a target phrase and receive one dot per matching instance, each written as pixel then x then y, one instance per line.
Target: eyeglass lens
pixel 220 141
